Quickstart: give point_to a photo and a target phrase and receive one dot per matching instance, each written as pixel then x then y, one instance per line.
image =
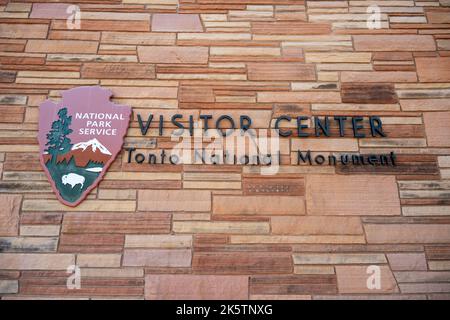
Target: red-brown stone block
pixel 437 128
pixel 352 195
pixel 196 287
pixel 9 215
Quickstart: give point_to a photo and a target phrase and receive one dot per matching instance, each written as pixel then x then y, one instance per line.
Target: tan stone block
pixel 333 57
pixel 281 71
pixel 157 257
pixel 222 185
pixel 174 200
pixel 25 31
pixel 9 286
pixel 338 258
pixel 61 46
pixel 313 269
pixel 271 205
pixel 417 211
pixel 407 261
pixel 36 261
pixel 437 128
pixel 138 38
pixel 352 195
pixel 378 76
pixel 394 43
pixel 117 194
pixel 196 287
pixel 407 233
pixel 28 244
pixel 172 22
pixel 9 215
pixel 245 51
pixel 98 260
pixel 158 241
pixel 221 227
pixel 439 265
pixel 87 205
pixel 316 225
pixel 314 239
pixel 146 92
pixel 173 54
pixel 425 104
pixel 112 272
pixel 353 279
pixel 299 97
pixel 324 144
pixel 42 230
pixel 433 69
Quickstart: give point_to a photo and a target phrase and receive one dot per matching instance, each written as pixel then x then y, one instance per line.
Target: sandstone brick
pixel 172 22
pixel 293 284
pixel 220 227
pixel 138 38
pixel 303 239
pixel 299 97
pixel 196 287
pixel 273 187
pixel 324 144
pixel 437 128
pixel 118 71
pixel 407 261
pixel 9 215
pixel 158 241
pixel 394 43
pixel 50 11
pixel 172 54
pixel 36 261
pixel 407 233
pixel 28 244
pixel 353 279
pixel 98 260
pixel 23 31
pixel 115 222
pixel 88 205
pixel 378 76
pixel 316 225
pixel 91 243
pixel 148 92
pixel 438 16
pixel 112 272
pixel 424 287
pixel 281 71
pixel 336 57
pixel 352 195
pixel 174 200
pixel 242 262
pixel 9 286
pixel 61 46
pixel 157 257
pixel 433 69
pixel 307 269
pixel 41 230
pixel 270 205
pixel 338 258
pixel 368 93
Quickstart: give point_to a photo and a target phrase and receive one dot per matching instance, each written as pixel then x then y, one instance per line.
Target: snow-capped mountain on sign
pixel 84 152
pixel 94 144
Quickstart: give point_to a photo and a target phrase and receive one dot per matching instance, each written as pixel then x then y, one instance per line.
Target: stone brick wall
pixel 198 231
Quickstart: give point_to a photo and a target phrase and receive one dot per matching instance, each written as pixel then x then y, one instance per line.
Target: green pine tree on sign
pixel 57 140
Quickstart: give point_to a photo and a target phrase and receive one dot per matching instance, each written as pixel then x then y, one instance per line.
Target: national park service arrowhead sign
pixel 79 138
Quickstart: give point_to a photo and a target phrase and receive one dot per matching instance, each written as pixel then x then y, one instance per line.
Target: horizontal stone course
pixel 201 231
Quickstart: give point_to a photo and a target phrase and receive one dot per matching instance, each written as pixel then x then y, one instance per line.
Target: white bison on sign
pixel 73 179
